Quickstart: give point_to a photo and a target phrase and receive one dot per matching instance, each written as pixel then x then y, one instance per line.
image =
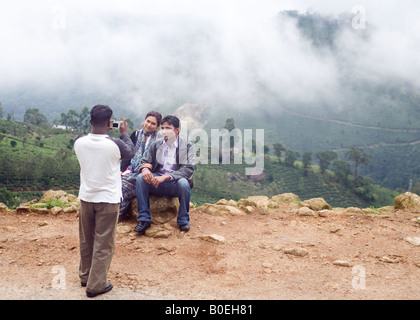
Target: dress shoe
pixel 123 216
pixel 142 226
pixel 185 227
pixel 108 288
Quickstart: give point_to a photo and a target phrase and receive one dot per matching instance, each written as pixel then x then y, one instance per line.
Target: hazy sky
pixel 152 51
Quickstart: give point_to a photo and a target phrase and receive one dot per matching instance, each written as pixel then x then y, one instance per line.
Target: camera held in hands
pixel 115 124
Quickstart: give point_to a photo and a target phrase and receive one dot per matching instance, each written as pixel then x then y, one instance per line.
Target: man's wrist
pixel 142 168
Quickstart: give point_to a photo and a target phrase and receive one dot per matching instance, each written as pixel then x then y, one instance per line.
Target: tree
pixel 6 196
pixel 70 119
pixel 11 116
pixel 325 158
pixel 84 119
pixel 34 117
pixel 306 159
pixel 229 124
pixel 357 155
pixel 1 111
pixel 341 170
pixel 291 157
pixel 278 149
pixel 416 188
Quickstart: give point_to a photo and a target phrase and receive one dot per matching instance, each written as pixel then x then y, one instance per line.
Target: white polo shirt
pixel 100 178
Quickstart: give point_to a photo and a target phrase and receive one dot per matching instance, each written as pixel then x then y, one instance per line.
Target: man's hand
pixel 150 179
pixel 147 175
pixel 159 179
pixel 123 126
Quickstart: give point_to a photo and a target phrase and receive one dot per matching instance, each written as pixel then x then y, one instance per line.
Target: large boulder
pixel 407 201
pixel 260 202
pixel 3 208
pixel 286 197
pixel 221 210
pixel 69 204
pixel 162 209
pixel 59 195
pixel 316 204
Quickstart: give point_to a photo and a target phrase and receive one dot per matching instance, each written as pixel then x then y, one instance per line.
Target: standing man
pixel 166 170
pixel 100 192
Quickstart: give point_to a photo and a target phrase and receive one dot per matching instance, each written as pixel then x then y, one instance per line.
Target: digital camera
pixel 115 124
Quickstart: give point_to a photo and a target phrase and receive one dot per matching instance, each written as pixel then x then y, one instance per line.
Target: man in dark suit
pixel 166 170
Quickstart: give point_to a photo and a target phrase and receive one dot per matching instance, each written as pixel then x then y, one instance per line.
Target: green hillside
pixel 215 182
pixel 33 160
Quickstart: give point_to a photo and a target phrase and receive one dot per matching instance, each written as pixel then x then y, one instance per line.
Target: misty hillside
pixel 312 81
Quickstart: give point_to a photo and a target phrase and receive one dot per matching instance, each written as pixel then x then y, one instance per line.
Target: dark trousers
pixel 172 188
pixel 97 229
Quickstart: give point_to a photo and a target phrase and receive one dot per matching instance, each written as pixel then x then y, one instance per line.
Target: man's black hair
pixel 100 114
pixel 172 120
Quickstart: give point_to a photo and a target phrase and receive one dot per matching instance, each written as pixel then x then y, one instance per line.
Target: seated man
pixel 166 170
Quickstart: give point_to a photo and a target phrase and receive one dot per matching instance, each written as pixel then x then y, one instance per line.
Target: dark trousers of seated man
pixel 171 188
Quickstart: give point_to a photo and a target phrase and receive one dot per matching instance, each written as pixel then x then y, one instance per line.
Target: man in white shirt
pixel 166 170
pixel 100 193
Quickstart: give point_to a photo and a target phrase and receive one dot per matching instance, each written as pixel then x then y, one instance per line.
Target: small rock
pixel 324 213
pixel 71 209
pixel 167 248
pixel 56 210
pixel 413 240
pixel 342 263
pixel 390 259
pixel 353 210
pixel 300 252
pixel 334 230
pixel 249 209
pixel 213 238
pixel 316 204
pixel 158 233
pixel 267 265
pixel 10 228
pixel 40 210
pixel 305 211
pixel 233 203
pixel 123 229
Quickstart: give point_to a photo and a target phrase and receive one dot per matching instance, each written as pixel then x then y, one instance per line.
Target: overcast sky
pixel 140 49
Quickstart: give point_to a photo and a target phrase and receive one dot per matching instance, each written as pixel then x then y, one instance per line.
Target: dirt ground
pixel 275 256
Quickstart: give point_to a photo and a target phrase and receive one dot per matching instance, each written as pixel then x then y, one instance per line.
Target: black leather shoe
pixel 142 226
pixel 185 227
pixel 123 216
pixel 108 288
